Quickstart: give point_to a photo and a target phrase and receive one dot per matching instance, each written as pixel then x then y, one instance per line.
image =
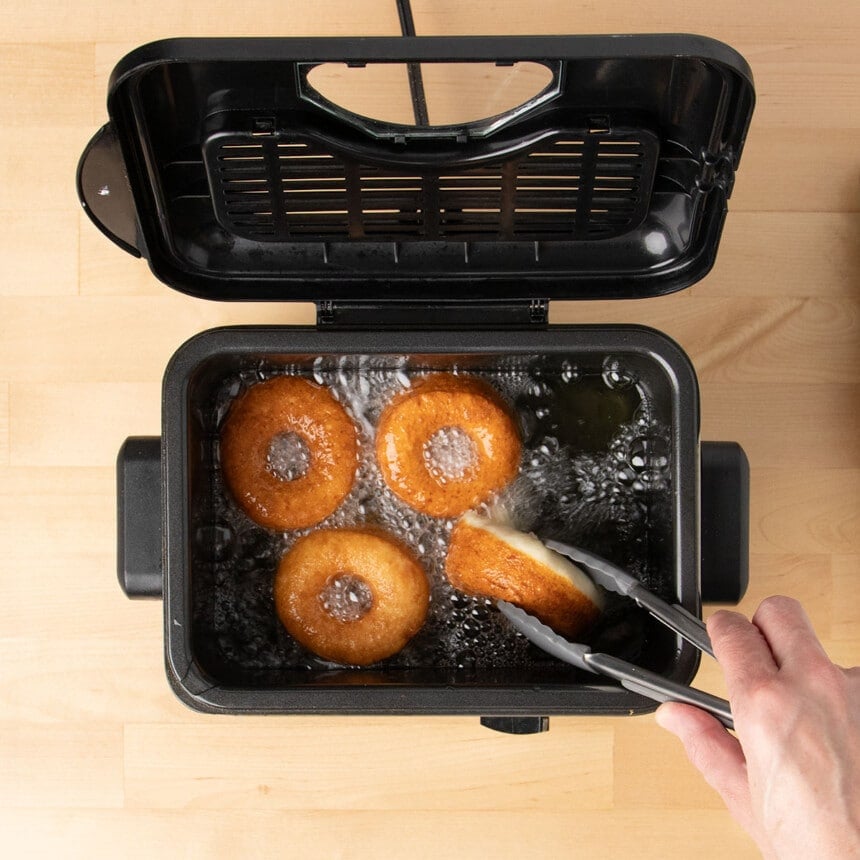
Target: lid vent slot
pixel 313 190
pixel 246 189
pixel 391 202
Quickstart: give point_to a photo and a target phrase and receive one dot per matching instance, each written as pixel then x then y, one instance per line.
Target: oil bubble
pixel 616 375
pixel 449 454
pixel 346 597
pixel 570 372
pixel 288 457
pixel 649 459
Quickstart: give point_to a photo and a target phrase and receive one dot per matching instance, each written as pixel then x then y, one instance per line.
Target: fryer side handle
pixel 725 522
pixel 139 529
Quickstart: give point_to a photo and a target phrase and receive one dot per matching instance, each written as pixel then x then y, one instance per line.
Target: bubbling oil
pixel 449 454
pixel 346 597
pixel 288 457
pixel 595 472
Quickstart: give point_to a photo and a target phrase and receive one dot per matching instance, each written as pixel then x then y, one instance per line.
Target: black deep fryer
pixel 240 171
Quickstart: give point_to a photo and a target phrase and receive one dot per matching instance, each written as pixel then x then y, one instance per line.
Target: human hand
pixel 791 777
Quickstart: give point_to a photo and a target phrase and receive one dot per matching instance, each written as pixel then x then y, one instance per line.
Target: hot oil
pixel 595 472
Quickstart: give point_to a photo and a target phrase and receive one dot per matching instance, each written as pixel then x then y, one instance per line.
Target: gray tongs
pixel 637 680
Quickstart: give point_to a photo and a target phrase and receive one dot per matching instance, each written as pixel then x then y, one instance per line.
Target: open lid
pixel 435 168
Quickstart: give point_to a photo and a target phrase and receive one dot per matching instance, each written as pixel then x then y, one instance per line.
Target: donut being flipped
pixel 491 559
pixel 354 596
pixel 447 444
pixel 289 453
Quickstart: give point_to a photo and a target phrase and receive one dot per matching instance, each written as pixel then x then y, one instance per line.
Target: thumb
pixel 715 753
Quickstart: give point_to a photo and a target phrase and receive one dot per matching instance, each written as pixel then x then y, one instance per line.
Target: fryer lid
pixel 612 183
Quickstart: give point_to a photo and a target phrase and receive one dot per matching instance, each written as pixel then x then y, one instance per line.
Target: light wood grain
pixel 65 69
pixel 78 423
pixel 805 510
pixel 38 253
pixel 845 600
pixel 37 172
pixel 97 757
pixel 361 763
pixel 425 835
pixel 738 410
pixel 750 239
pixel 43 765
pixel 775 177
pixel 4 423
pixel 103 21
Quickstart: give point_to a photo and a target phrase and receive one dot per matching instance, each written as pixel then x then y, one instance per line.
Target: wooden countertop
pixel 99 760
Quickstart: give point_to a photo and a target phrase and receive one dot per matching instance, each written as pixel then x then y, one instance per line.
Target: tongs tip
pixel 544 636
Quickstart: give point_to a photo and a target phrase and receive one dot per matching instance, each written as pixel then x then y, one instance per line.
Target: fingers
pixel 742 652
pixel 751 653
pixel 789 632
pixel 714 753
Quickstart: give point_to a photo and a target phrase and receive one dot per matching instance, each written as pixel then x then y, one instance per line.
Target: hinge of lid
pixel 717 170
pixel 523 314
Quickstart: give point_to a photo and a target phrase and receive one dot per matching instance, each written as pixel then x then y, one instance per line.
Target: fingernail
pixel 661 717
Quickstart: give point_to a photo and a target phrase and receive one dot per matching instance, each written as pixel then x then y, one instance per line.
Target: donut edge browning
pixel 426 407
pixel 287 404
pixel 397 580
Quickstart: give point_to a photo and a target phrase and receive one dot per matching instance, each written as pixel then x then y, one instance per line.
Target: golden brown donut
pixel 447 444
pixel 289 452
pixel 354 596
pixel 490 559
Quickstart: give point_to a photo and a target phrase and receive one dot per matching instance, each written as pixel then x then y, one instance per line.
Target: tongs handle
pixel 674 616
pixel 658 688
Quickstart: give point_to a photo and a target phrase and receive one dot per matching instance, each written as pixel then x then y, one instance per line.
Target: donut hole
pixel 346 597
pixel 288 457
pixel 450 454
